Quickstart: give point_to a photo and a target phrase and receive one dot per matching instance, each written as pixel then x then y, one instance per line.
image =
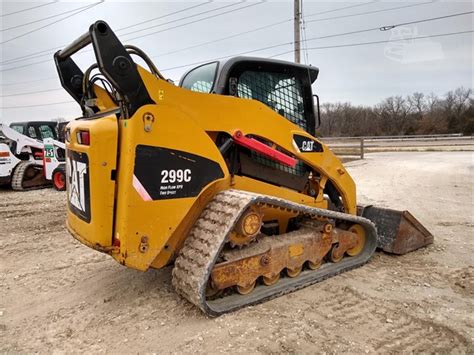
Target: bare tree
pixel 417 104
pixel 417 113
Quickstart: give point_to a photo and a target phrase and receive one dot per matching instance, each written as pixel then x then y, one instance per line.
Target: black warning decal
pixel 167 173
pixel 307 145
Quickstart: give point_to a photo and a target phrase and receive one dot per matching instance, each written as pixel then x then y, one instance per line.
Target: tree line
pixel 397 115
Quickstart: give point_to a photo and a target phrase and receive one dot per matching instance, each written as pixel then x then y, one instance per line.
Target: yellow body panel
pixel 229 114
pixel 158 219
pixel 152 232
pixel 102 161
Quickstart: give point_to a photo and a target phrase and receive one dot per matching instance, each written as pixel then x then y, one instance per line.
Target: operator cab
pixel 38 130
pixel 283 86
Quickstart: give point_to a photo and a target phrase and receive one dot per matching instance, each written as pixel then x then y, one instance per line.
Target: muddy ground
pixel 57 295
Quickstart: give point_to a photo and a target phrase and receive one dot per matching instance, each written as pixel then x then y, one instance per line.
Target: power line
pixel 341 34
pixel 28 9
pixel 198 20
pixel 372 12
pixel 434 18
pixel 183 18
pixel 44 18
pixel 27 65
pixel 177 67
pixel 379 42
pixel 148 34
pixel 389 27
pixel 167 53
pixel 52 23
pixel 38 54
pixel 224 38
pixel 163 16
pixel 276 55
pixel 262 28
pixel 48 51
pixel 137 37
pixel 313 48
pixel 39 105
pixel 305 37
pixel 54 49
pixel 31 92
pixel 31 81
pixel 306 40
pixel 32 55
pixel 342 8
pixel 269 47
pixel 226 56
pixel 319 37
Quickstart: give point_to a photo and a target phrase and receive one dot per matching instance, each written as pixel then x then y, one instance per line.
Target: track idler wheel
pixel 359 230
pixel 247 228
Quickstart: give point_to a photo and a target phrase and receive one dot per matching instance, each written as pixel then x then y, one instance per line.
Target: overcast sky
pixel 362 75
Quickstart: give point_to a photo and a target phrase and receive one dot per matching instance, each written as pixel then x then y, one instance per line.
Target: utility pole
pixel 297 40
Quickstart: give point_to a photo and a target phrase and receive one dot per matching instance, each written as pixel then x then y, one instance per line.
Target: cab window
pixel 46 131
pixel 201 79
pixel 282 92
pixel 18 128
pixel 31 132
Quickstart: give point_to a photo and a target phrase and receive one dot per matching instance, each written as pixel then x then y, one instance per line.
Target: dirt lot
pixel 57 295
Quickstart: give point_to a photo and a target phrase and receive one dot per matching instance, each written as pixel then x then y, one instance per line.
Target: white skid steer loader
pixel 21 160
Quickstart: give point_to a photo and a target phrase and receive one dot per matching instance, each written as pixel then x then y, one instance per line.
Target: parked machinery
pixel 223 176
pixel 21 160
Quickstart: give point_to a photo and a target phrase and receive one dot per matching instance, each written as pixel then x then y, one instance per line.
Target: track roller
pixel 294 272
pixel 245 290
pixel 269 281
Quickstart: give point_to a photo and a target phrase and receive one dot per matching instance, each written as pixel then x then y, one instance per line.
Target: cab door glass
pixel 201 79
pixel 282 92
pixel 32 132
pixel 46 131
pixel 19 129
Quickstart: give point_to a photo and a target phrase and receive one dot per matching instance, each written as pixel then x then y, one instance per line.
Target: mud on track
pixel 57 295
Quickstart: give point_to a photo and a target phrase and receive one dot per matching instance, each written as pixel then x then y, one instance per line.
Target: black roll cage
pixel 113 61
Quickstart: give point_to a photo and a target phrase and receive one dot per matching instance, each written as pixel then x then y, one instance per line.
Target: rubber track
pixel 18 175
pixel 207 237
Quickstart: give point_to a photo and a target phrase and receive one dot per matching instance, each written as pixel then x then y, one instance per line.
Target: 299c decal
pixel 163 173
pixel 172 176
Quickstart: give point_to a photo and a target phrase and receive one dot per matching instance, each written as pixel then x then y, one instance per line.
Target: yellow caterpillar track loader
pixel 221 176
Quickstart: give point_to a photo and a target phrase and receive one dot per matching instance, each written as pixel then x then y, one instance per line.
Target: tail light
pixel 4 154
pixel 83 137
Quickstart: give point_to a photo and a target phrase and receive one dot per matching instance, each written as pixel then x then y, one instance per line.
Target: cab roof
pixel 33 123
pixel 225 66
